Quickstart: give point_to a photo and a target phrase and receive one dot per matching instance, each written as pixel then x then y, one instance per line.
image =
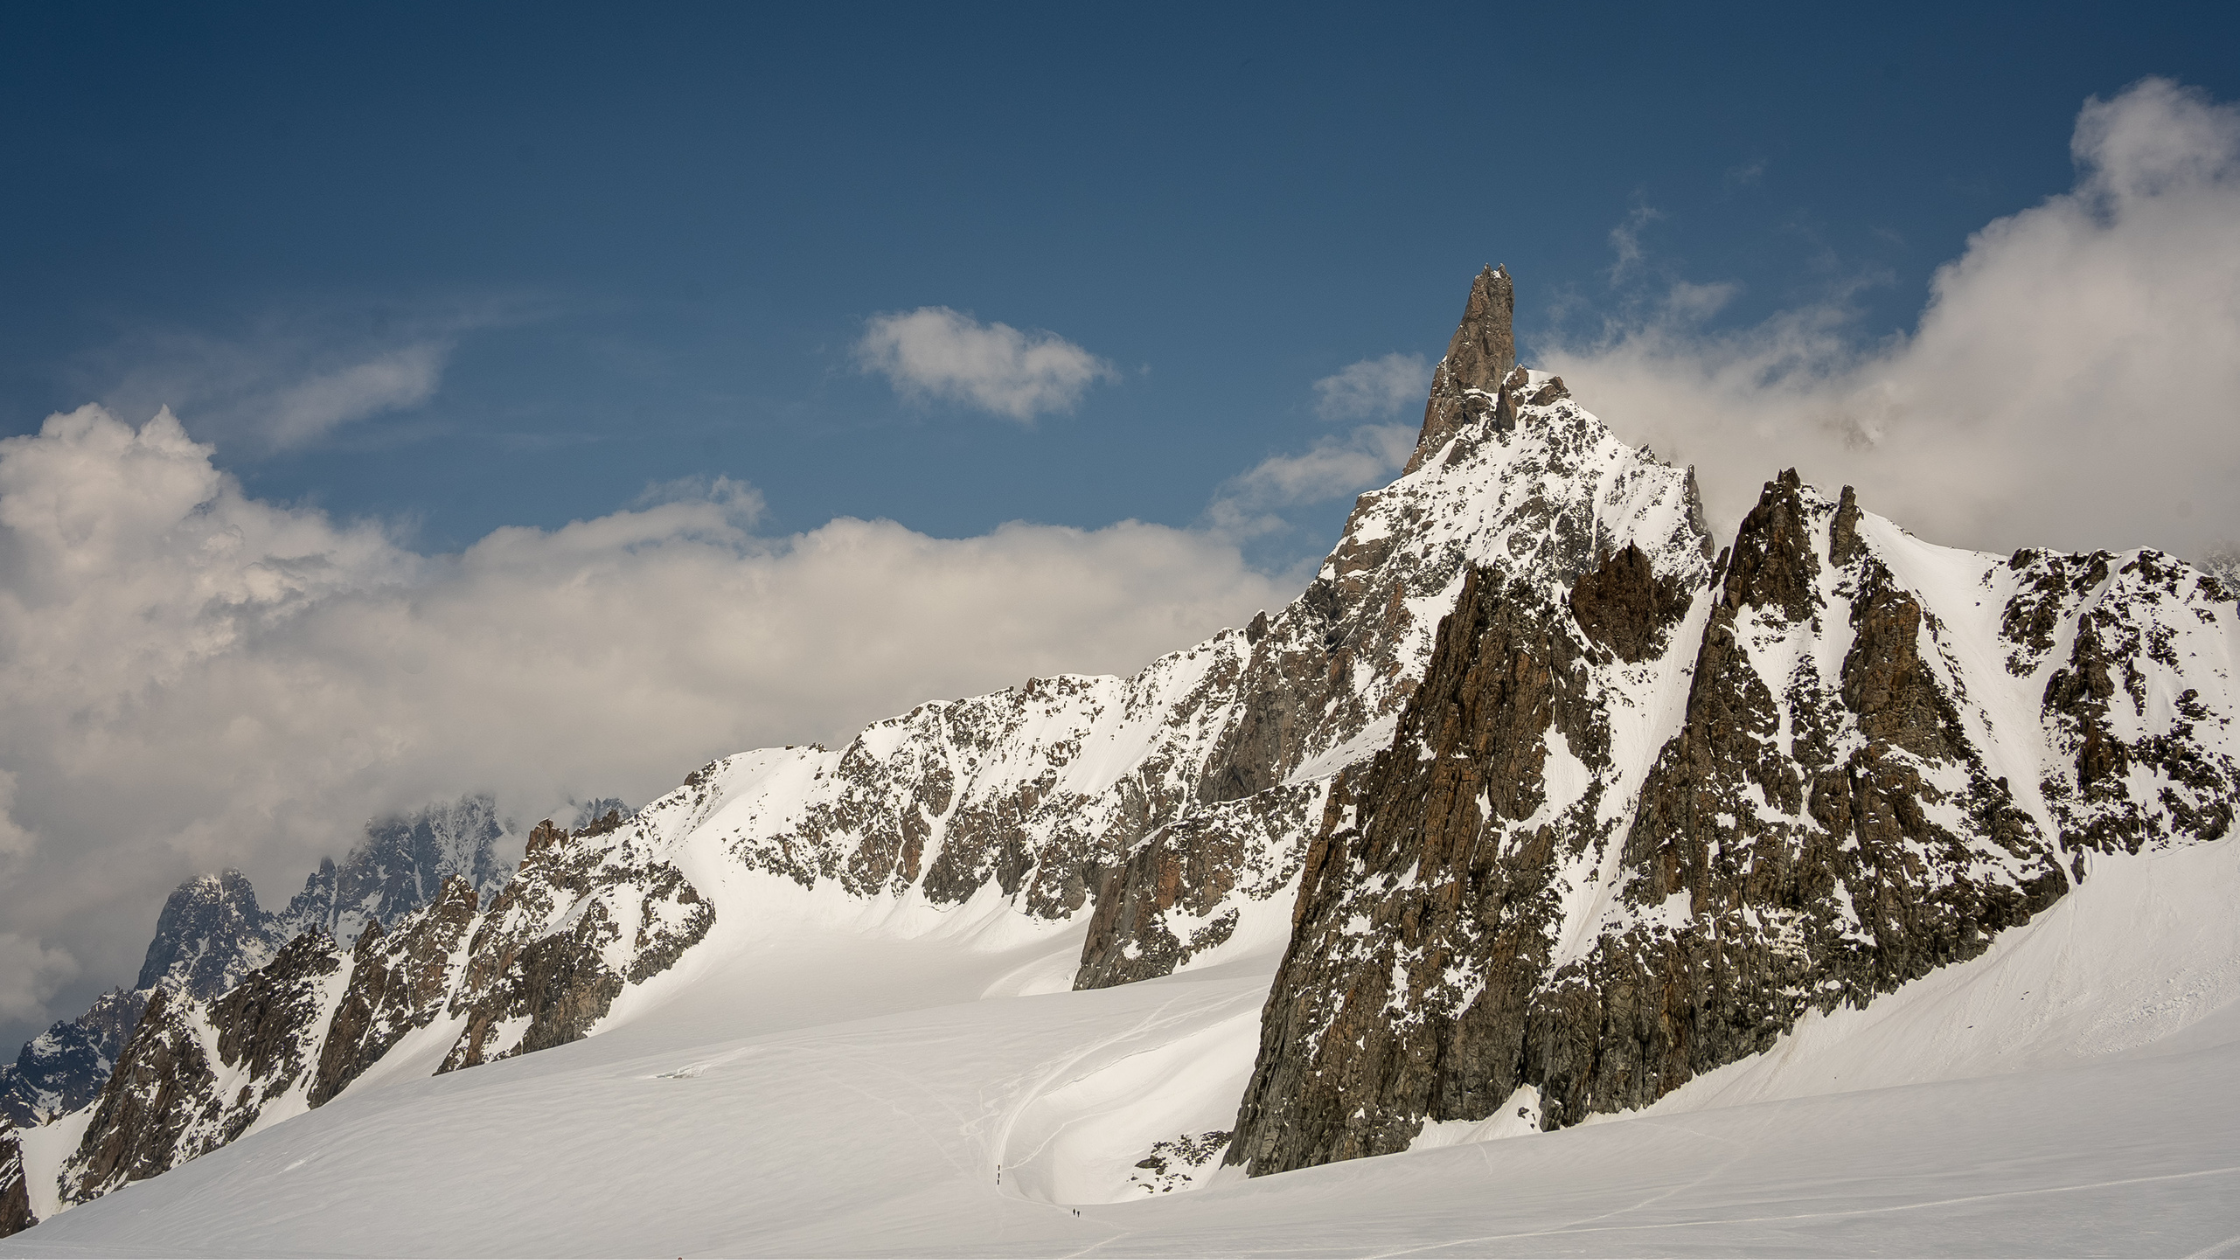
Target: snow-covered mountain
pixel 212 934
pixel 398 867
pixel 1535 806
pixel 1629 832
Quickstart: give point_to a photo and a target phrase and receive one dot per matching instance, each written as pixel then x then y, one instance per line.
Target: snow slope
pixel 2075 1090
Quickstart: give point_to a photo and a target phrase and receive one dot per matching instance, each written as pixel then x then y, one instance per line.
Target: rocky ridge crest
pixel 1876 755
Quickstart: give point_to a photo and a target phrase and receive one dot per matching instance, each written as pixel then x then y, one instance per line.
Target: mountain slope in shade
pixel 62 1068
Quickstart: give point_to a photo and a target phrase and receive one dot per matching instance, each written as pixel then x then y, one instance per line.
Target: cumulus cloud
pixel 935 352
pixel 1251 503
pixel 1374 387
pixel 195 678
pixel 2074 380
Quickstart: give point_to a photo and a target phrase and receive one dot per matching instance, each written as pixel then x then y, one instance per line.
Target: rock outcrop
pixel 1182 892
pixel 1887 754
pixel 399 982
pixel 559 944
pixel 537 968
pixel 195 1077
pixel 15 1196
pixel 1466 387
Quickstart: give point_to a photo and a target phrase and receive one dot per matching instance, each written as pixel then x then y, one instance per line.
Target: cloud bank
pixel 937 353
pixel 194 678
pixel 2074 381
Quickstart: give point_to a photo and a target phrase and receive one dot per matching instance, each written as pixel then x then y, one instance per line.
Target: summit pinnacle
pixel 1467 383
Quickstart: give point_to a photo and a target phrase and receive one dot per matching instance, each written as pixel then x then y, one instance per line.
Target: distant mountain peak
pixel 210 934
pixel 399 865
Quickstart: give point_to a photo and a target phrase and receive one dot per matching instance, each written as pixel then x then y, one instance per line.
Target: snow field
pixel 2076 1090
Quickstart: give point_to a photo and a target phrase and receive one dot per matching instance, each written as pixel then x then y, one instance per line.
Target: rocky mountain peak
pixel 211 933
pixel 1772 563
pixel 399 865
pixel 1466 386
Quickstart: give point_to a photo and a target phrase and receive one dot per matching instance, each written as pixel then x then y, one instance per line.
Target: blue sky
pixel 645 243
pixel 563 396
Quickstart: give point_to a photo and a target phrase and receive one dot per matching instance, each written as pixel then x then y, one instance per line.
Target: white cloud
pixel 1625 242
pixel 2072 382
pixel 293 378
pixel 935 352
pixel 394 381
pixel 1374 387
pixel 1251 503
pixel 194 678
pixel 30 973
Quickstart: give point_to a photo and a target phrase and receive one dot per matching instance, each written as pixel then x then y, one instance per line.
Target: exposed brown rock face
pixel 168 1101
pixel 1416 894
pixel 1626 607
pixel 398 982
pixel 1466 386
pixel 263 1023
pixel 1843 532
pixel 1495 904
pixel 15 1196
pixel 1188 876
pixel 160 1089
pixel 561 982
pixel 1772 564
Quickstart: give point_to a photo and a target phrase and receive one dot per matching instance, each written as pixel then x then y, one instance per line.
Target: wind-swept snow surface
pixel 2075 1090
